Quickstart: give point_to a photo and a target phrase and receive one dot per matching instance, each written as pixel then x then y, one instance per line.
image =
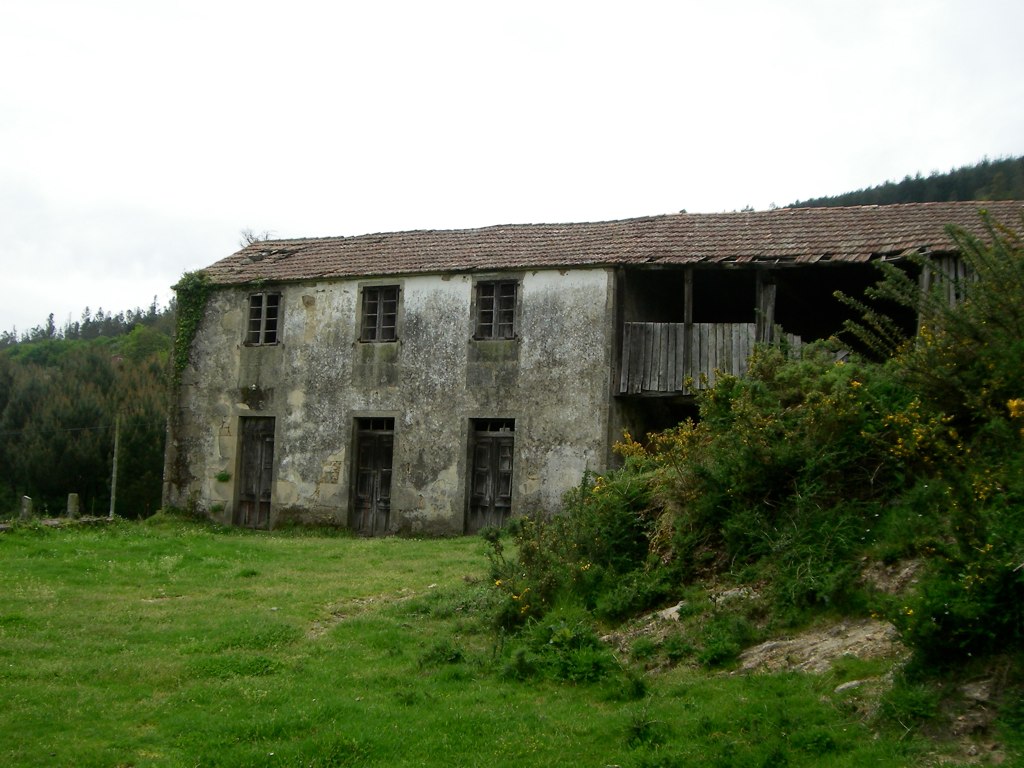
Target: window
pixel 264 318
pixel 371 508
pixel 490 481
pixel 380 313
pixel 496 309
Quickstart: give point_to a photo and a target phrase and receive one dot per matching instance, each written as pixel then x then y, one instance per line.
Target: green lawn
pixel 173 644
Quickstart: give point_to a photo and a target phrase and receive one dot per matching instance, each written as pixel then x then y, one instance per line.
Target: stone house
pixel 441 381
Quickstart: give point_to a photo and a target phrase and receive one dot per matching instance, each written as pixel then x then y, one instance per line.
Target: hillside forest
pixel 1001 179
pixel 63 389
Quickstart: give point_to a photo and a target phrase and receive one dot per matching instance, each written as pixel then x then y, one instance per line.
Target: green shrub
pixel 970 600
pixel 567 648
pixel 594 552
pixel 677 647
pixel 724 636
pixel 643 649
pixel 801 472
pixel 965 609
pixel 561 646
pixel 633 593
pixel 912 526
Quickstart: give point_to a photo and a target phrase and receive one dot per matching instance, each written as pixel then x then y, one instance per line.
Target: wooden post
pixel 765 320
pixel 688 366
pixel 924 284
pixel 113 474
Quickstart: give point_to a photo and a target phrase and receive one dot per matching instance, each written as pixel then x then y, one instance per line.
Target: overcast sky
pixel 137 139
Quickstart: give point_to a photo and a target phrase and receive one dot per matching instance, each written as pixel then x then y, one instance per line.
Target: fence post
pixel 73 506
pixel 26 508
pixel 113 474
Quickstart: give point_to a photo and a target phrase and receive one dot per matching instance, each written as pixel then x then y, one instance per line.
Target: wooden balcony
pixel 664 358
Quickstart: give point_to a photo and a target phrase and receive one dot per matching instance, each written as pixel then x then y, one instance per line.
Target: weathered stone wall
pixel 553 379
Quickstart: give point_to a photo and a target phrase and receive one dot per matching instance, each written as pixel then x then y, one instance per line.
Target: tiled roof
pixel 781 236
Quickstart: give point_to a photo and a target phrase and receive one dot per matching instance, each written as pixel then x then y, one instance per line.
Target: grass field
pixel 168 643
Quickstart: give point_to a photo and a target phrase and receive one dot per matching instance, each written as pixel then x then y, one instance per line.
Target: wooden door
pixel 490 491
pixel 371 508
pixel 256 472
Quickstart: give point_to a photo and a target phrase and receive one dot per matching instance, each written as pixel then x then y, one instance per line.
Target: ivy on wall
pixel 193 291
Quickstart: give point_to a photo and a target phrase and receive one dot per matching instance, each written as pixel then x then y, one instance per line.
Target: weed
pixel 441 652
pixel 909 704
pixel 645 730
pixel 630 685
pixel 520 665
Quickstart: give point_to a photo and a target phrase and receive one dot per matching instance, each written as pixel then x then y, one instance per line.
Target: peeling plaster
pixel 553 379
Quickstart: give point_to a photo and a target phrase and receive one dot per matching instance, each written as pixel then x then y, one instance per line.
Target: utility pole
pixel 113 475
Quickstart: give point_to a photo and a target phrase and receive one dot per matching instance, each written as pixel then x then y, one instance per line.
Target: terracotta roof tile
pixel 781 236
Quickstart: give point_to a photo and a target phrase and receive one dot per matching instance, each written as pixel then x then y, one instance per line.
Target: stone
pixel 672 614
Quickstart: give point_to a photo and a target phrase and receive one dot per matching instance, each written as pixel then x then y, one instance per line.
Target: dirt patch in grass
pixel 335 613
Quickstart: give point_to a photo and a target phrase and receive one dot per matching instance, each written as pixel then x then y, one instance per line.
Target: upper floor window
pixel 496 309
pixel 380 313
pixel 264 318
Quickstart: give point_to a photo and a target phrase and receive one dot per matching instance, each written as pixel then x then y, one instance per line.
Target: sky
pixel 139 139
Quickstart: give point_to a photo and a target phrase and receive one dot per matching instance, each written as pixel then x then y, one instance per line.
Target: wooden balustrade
pixel 666 358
